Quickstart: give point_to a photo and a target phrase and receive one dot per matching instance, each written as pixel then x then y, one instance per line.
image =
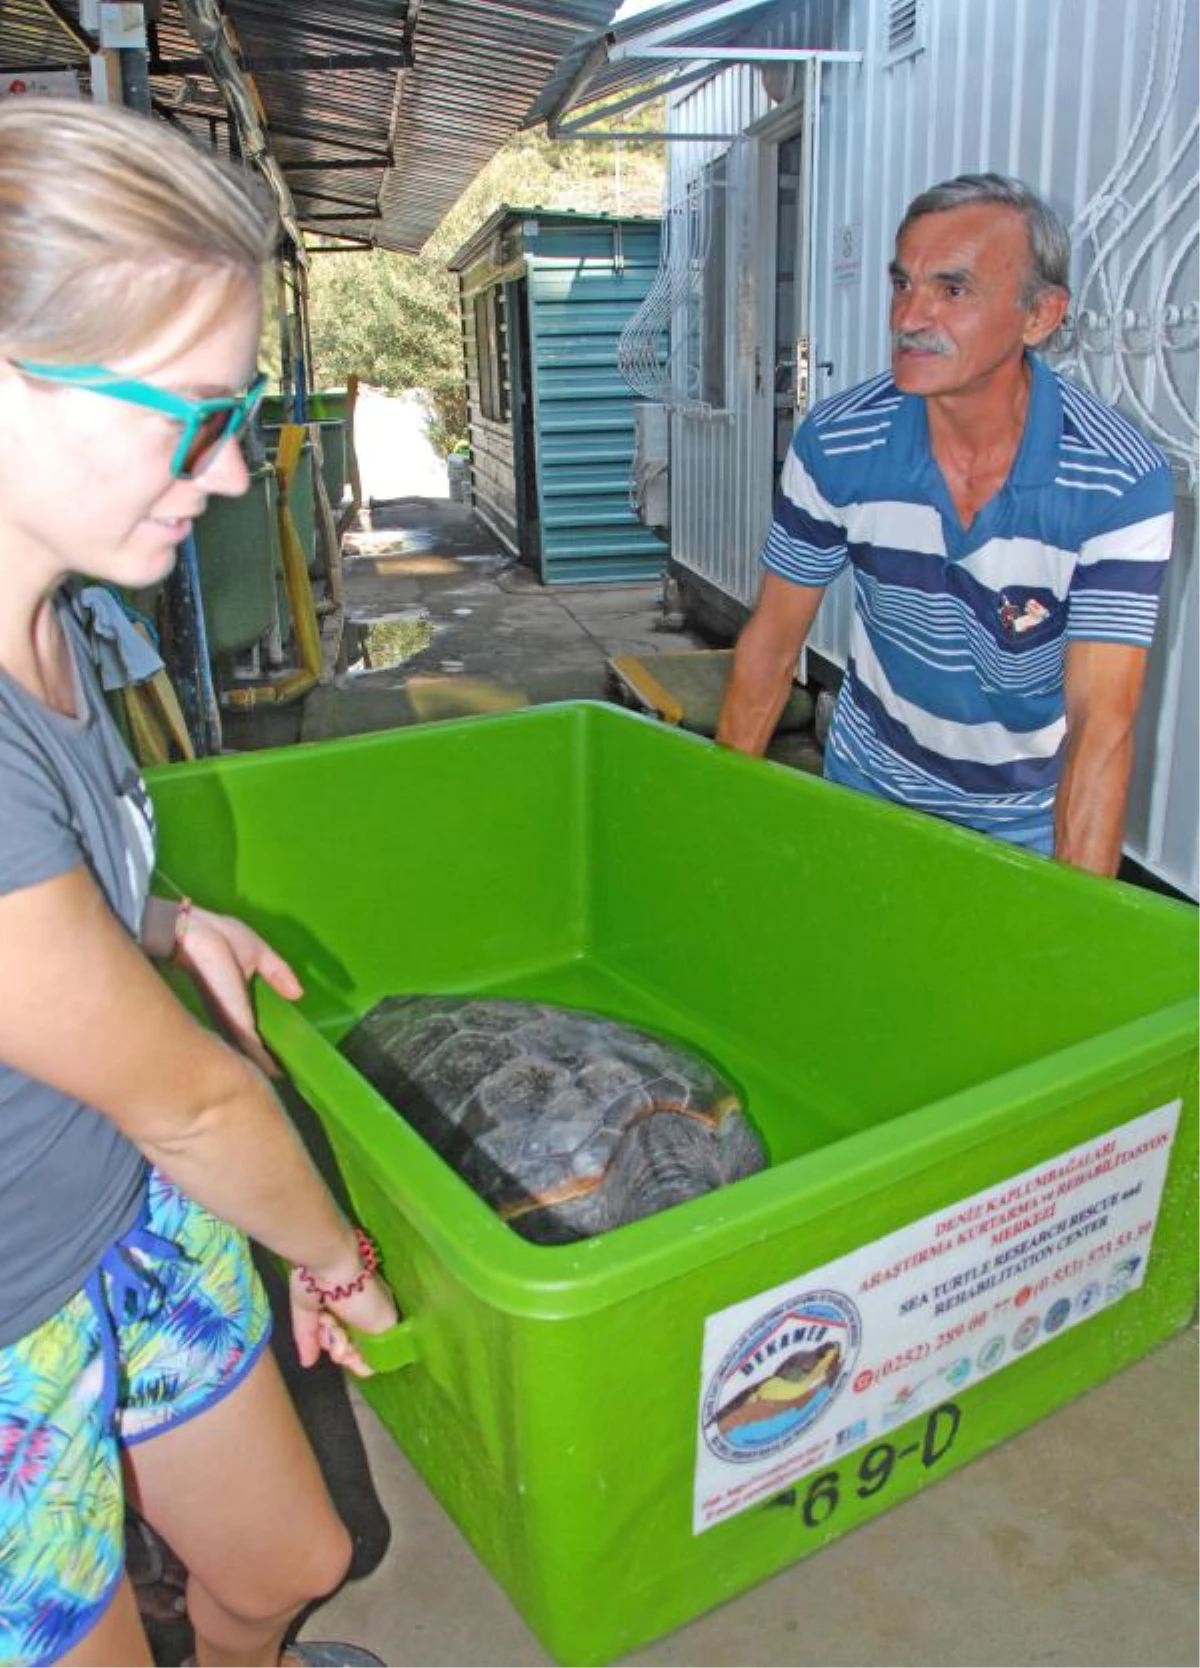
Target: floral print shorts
pixel 172 1320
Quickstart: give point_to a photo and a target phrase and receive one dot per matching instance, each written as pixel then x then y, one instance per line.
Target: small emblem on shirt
pixel 1017 619
pixel 137 816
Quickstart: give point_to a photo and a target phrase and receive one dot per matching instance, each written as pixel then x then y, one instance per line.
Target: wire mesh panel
pixel 672 350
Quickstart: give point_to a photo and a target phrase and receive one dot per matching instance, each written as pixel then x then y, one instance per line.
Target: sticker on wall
pixel 847 254
pixel 38 83
pixel 842 1355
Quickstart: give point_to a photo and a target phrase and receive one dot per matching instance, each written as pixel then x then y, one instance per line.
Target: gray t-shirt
pixel 70 1182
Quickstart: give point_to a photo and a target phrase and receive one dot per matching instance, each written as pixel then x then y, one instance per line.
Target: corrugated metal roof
pixel 584 76
pixel 483 234
pixel 479 65
pixel 373 150
pixel 31 37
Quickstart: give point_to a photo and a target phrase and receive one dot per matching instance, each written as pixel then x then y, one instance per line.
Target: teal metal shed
pixel 545 294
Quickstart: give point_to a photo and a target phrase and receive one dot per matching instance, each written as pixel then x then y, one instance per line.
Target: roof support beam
pixel 396 59
pixel 308 135
pixel 669 33
pixel 633 101
pixel 700 62
pixel 340 219
pixel 746 54
pixel 337 164
pixel 325 197
pixel 585 126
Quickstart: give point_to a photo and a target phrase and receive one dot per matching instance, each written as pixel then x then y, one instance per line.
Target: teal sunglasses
pixel 207 424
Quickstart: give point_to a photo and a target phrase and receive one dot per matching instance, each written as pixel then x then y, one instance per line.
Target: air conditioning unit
pixel 650 489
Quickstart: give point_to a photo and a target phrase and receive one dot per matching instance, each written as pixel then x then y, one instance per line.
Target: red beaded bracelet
pixel 368 1258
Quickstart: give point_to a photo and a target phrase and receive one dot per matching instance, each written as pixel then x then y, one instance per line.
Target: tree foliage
pixel 394 320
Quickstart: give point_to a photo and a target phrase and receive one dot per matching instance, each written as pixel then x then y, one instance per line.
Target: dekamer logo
pixel 780 1375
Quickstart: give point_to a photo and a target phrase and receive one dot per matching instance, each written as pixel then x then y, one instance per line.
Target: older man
pixel 1007 531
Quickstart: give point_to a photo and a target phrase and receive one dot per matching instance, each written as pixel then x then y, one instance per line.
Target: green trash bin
pixel 237 550
pixel 981 1115
pixel 334 468
pixel 329 410
pixel 326 405
pixel 302 504
pixel 274 411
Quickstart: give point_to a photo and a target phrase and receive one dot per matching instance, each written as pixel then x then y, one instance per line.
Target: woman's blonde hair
pixel 107 219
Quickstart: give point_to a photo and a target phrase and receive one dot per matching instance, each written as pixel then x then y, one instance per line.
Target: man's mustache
pixel 920 341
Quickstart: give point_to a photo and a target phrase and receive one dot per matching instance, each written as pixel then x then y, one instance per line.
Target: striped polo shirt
pixel 953 698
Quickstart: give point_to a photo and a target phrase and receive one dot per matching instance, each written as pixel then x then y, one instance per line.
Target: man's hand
pixel 765 662
pixel 1103 688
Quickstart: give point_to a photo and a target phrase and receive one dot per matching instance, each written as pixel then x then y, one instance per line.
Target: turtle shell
pixel 565 1122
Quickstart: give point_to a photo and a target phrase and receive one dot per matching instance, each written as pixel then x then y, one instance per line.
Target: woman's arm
pixel 222 955
pixel 160 925
pixel 82 1009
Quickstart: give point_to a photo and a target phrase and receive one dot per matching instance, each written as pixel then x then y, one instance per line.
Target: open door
pixel 525 461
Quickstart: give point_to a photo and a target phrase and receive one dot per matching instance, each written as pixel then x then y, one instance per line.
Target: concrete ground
pixel 441 623
pixel 1074 1543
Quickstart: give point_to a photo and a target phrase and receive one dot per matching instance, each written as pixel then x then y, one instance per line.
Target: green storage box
pixel 975 1069
pixel 237 549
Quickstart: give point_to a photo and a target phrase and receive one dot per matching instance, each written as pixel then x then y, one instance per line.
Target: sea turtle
pixel 567 1123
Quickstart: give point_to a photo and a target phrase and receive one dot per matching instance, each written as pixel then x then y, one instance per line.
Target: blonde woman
pixel 136 1148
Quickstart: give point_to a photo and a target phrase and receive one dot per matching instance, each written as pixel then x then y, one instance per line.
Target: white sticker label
pixel 801 1375
pixel 847 254
pixel 39 84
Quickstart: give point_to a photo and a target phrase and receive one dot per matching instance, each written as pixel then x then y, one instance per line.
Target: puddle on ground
pixel 460 697
pixel 388 565
pixel 369 541
pixel 390 640
pixel 364 546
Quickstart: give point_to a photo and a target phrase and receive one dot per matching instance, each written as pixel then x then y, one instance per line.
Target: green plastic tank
pixel 981 1116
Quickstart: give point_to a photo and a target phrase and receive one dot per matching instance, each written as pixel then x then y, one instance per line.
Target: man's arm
pixel 1103 688
pixel 764 662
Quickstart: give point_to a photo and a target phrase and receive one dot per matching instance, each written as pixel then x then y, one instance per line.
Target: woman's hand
pixel 316 1322
pixel 223 954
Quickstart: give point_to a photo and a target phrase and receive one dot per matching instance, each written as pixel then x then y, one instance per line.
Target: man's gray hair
pixel 1049 239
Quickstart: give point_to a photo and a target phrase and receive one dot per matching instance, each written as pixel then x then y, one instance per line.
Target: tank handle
pixel 388 1351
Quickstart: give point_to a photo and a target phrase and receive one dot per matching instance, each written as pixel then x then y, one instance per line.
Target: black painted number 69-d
pixel 878 1464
